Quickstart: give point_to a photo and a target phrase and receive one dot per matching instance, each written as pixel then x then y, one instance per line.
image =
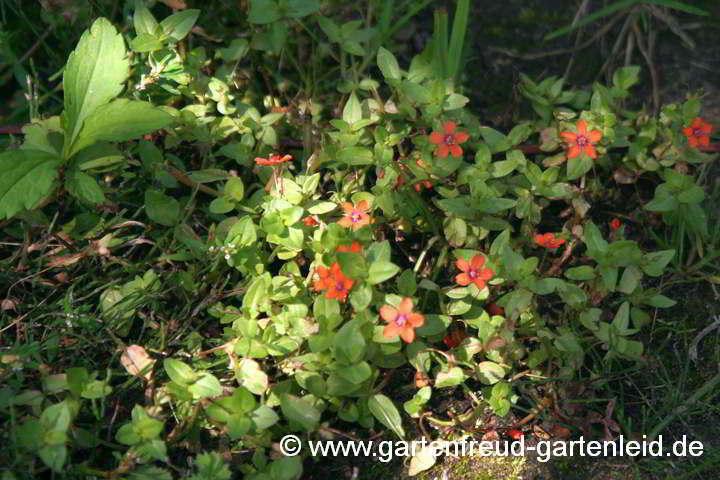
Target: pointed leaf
pixel 27 177
pixel 95 74
pixel 119 121
pixel 385 411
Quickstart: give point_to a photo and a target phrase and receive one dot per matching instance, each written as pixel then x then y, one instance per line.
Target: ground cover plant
pixel 216 240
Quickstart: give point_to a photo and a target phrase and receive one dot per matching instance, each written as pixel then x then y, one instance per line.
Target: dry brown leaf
pixel 175 4
pixel 135 359
pixel 65 260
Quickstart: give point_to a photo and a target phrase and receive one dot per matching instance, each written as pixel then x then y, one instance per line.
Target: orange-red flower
pixel 310 221
pixel 581 140
pixel 355 216
pixel 447 141
pixel 698 133
pixel 615 224
pixel 401 321
pixel 352 248
pixel 321 278
pixel 548 240
pixel 273 160
pixel 334 280
pixel 473 272
pixel 423 184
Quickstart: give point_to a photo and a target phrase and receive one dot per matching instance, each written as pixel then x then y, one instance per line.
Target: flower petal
pixel 477 262
pixel 704 141
pixel 416 320
pixel 437 138
pixel 345 222
pixel 486 274
pixel 449 127
pixel 574 151
pixel 581 127
pixel 590 151
pixel 461 137
pixel 462 264
pixel 686 131
pixel 391 330
pixel 595 136
pixel 455 150
pixel 408 334
pixel 362 205
pixel 441 151
pixel 405 306
pixel 697 122
pixel 462 279
pixel 347 207
pixel 569 137
pixel 706 129
pixel 388 313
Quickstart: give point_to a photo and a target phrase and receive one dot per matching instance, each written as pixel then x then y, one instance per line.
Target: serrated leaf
pixel 27 177
pixel 95 74
pixel 385 411
pixel 120 120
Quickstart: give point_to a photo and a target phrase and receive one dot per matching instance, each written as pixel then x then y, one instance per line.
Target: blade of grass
pixel 440 41
pixel 457 38
pixel 603 12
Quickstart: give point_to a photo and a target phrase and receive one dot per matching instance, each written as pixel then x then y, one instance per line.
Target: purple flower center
pixel 581 140
pixel 355 217
pixel 698 132
pixel 449 139
pixel 401 320
pixel 339 286
pixel 472 274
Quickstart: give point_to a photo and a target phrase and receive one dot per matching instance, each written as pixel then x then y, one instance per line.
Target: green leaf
pixel 380 271
pixel 626 77
pixel 388 65
pixel 83 186
pixel 146 42
pixel 584 272
pixel 27 177
pixel 301 411
pixel 53 456
pixel 179 372
pixel 95 74
pixel 264 11
pixel 120 120
pixel 452 377
pixel 656 262
pixel 356 156
pixel 179 24
pixel 489 372
pixel 143 20
pixel 161 208
pixel 207 386
pixel 357 373
pixel 630 280
pixel 56 417
pixel 578 166
pixel 385 411
pixel 352 111
pixel 660 301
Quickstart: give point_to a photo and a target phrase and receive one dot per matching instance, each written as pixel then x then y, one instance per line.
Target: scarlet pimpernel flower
pixel 333 280
pixel 401 320
pixel 548 240
pixel 473 272
pixel 582 141
pixel 310 221
pixel 698 133
pixel 447 141
pixel 615 224
pixel 273 160
pixel 356 216
pixel 352 248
